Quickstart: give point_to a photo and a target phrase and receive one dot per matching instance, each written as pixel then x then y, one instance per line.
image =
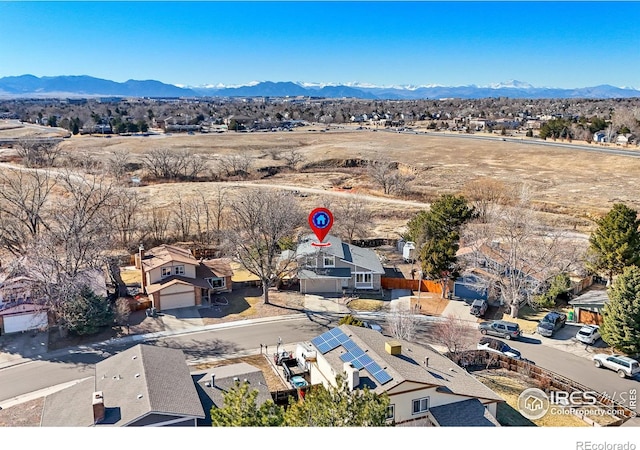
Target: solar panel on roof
pixel 366 360
pixel 347 357
pixel 327 341
pixel 349 345
pixel 382 376
pixel 357 351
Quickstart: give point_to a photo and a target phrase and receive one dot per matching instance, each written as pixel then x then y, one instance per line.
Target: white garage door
pixel 177 300
pixel 23 322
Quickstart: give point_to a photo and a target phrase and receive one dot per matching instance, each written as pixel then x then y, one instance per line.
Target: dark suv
pixel 479 308
pixel 501 328
pixel 550 323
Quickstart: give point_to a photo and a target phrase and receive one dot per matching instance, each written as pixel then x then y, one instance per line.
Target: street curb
pixel 151 336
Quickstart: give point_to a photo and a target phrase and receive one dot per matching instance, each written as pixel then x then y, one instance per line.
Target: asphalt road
pixel 246 339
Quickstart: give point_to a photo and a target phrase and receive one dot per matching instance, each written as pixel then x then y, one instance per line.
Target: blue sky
pixel 547 44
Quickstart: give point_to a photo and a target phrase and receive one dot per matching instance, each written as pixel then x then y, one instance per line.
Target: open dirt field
pixel 569 186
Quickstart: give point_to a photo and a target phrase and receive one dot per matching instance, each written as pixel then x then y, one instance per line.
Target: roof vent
pixel 139 396
pixel 134 356
pixel 137 375
pixel 246 381
pixel 236 379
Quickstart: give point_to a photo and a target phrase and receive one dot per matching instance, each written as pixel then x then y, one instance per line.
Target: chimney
pixel 98 407
pixel 143 278
pixel 393 347
pixel 353 376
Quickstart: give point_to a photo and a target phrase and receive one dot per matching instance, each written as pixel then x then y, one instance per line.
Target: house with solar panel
pixel 424 387
pixel 336 268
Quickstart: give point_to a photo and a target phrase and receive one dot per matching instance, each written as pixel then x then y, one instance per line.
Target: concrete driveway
pixel 565 339
pixel 181 319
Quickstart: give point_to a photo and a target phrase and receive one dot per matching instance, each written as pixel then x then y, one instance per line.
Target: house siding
pixel 155 275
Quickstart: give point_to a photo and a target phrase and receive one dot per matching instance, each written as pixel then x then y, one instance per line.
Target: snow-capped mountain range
pixel 86 86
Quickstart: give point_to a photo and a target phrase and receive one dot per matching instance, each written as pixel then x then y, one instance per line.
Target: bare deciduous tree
pixel 484 195
pixel 183 215
pixel 157 224
pixel 517 254
pixel 238 164
pixel 261 222
pixel 125 215
pixel 122 312
pixel 388 176
pixel 353 218
pixel 455 334
pixel 24 196
pixel 402 323
pixel 38 152
pixel 292 158
pixel 117 161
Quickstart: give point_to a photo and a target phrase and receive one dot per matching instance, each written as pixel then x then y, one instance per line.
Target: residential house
pixel 587 308
pixel 625 139
pixel 173 278
pixel 20 312
pixel 424 387
pixel 337 267
pixel 144 385
pixel 599 136
pixel 213 384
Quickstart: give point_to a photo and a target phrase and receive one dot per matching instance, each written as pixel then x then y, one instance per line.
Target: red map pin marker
pixel 320 221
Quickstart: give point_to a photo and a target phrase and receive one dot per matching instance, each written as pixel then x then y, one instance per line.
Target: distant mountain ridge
pixel 87 86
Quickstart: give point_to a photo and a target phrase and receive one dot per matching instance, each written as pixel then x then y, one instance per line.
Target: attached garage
pixel 587 308
pixel 23 317
pixel 178 295
pixel 468 288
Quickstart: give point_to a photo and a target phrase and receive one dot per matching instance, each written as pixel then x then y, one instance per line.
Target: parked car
pixel 479 307
pixel 372 326
pixel 588 334
pixel 501 328
pixel 497 346
pixel 550 323
pixel 625 366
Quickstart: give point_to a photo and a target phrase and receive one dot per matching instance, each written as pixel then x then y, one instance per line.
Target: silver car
pixel 588 334
pixel 623 365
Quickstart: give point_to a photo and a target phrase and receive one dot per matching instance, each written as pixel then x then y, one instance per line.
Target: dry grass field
pixel 569 186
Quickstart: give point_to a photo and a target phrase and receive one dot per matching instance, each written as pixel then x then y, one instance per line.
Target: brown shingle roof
pixel 165 253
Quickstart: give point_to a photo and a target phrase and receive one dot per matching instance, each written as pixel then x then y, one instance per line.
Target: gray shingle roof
pixel 160 375
pixel 594 297
pixel 468 413
pixel 70 407
pixel 140 381
pixel 409 365
pixel 225 380
pixel 362 258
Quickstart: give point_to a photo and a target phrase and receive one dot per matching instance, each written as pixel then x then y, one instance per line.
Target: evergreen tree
pixel 440 229
pixel 615 244
pixel 337 406
pixel 240 410
pixel 85 312
pixel 621 316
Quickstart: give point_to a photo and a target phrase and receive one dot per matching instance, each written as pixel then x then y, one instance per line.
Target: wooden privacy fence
pixel 414 285
pixel 545 379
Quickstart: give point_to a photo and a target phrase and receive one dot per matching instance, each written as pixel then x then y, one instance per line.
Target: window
pixel 166 271
pixel 179 270
pixel 420 405
pixel 391 411
pixel 216 283
pixel 364 280
pixel 329 261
